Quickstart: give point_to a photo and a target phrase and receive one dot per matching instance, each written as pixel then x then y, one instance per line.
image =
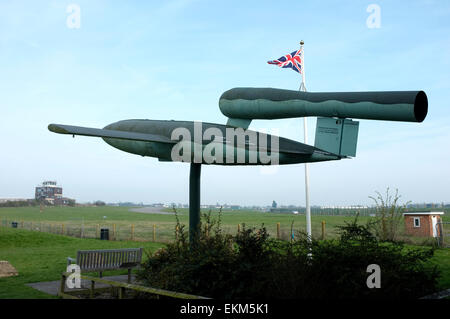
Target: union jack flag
pixel 292 61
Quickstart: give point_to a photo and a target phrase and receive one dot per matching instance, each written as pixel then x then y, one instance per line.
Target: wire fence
pixel 443 231
pixel 165 231
pixel 156 232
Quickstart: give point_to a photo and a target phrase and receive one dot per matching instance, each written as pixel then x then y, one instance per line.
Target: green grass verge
pixel 52 219
pixel 43 257
pixel 441 259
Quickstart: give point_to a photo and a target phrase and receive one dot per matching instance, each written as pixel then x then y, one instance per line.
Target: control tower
pixel 50 192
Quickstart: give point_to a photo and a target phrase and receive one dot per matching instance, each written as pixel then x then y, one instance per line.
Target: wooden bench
pixel 108 259
pixel 118 289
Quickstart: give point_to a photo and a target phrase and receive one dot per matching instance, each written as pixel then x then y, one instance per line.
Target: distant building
pixel 423 224
pixel 51 193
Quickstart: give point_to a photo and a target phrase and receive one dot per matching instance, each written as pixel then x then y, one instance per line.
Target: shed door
pixel 434 223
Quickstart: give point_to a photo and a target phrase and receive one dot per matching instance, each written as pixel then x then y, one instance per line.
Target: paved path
pixel 52 287
pixel 152 210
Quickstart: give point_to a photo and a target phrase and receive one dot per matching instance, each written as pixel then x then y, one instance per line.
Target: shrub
pixel 388 215
pixel 252 265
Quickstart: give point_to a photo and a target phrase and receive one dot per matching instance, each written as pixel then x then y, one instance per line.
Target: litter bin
pixel 104 234
pixel 14 224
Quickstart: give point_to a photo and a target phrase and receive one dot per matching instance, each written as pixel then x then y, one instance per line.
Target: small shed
pixel 423 224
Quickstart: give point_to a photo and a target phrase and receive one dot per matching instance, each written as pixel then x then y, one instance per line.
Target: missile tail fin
pixel 337 136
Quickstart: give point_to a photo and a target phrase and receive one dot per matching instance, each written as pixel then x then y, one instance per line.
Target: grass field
pixel 43 257
pixel 71 221
pixel 91 219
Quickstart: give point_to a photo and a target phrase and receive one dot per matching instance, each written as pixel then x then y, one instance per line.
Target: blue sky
pixel 173 60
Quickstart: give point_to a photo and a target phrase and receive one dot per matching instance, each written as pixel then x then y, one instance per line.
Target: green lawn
pixel 72 219
pixel 442 260
pixel 121 221
pixel 43 257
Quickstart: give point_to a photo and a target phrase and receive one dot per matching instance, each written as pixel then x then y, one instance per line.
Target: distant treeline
pixel 369 211
pixel 20 203
pixel 31 202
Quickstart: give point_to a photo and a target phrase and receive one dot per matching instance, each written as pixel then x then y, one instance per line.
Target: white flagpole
pixel 305 129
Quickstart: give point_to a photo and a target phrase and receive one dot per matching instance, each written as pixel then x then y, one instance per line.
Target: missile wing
pixel 125 135
pixel 159 139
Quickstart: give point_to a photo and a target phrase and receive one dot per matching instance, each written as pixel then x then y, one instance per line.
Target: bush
pixel 389 215
pixel 252 265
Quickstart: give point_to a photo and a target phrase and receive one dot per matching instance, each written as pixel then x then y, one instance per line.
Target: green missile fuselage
pixel 199 142
pixel 232 144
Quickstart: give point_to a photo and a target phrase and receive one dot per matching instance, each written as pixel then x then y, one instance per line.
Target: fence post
pixel 97 231
pixel 132 232
pixel 62 229
pixel 278 230
pixel 239 228
pixel 154 232
pixel 21 224
pixel 121 292
pixel 323 230
pixel 114 232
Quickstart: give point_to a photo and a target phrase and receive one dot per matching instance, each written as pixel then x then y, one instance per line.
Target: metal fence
pixel 443 234
pixel 165 231
pixel 158 232
pixel 120 231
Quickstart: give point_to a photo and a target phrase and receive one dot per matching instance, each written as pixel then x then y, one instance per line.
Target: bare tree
pixel 388 216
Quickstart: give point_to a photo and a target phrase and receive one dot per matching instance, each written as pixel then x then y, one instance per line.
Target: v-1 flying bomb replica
pixel 233 144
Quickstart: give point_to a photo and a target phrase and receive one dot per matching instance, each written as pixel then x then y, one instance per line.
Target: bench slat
pixel 98 260
pixel 104 260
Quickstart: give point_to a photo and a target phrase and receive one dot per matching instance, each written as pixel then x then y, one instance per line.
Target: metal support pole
pixel 194 201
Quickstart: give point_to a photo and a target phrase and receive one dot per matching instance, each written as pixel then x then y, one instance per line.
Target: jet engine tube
pixel 270 103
